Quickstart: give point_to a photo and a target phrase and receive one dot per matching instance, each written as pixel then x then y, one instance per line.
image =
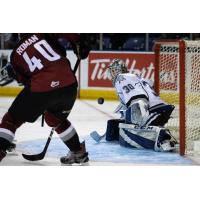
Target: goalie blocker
pixel 149 137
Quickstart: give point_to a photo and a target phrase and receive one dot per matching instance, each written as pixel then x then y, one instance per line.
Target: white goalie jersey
pixel 139 98
pixel 143 113
pixel 131 87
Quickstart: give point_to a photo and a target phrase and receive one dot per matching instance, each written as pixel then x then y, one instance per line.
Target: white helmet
pixel 116 67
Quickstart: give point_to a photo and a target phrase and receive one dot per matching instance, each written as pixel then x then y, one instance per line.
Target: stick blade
pixel 33 157
pixel 95 136
pixel 41 155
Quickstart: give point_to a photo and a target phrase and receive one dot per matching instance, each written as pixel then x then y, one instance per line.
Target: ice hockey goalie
pixel 143 113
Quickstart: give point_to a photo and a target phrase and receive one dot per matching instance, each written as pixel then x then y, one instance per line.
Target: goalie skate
pixel 168 146
pixel 76 157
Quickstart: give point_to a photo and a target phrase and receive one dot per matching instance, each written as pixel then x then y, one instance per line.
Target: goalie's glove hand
pixel 7 74
pixel 83 47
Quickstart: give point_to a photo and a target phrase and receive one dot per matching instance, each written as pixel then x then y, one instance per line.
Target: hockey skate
pixel 168 146
pixel 2 154
pixel 78 157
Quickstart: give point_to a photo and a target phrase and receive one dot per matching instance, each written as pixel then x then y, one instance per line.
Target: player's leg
pixel 56 116
pixel 9 123
pixel 70 138
pixel 8 127
pixel 27 107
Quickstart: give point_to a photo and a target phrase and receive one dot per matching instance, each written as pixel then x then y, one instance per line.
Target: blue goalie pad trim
pixel 128 115
pixel 162 108
pixel 124 143
pixel 143 142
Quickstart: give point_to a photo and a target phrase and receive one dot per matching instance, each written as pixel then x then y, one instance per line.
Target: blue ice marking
pixel 107 152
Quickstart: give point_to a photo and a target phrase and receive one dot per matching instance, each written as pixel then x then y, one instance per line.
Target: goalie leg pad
pixel 137 113
pixel 164 112
pixel 135 137
pixel 151 137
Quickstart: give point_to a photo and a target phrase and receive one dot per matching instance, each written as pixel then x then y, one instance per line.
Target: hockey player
pixel 144 114
pixel 40 64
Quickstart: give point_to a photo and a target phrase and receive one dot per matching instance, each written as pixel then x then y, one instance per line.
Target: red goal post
pixel 177 80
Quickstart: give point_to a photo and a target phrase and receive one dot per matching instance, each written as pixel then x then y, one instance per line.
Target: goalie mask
pixel 116 67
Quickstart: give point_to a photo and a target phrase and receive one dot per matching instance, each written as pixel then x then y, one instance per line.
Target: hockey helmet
pixel 116 67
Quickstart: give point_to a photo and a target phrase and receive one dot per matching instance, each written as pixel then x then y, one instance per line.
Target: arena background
pixel 136 49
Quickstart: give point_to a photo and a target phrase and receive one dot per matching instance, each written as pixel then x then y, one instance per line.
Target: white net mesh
pixel 169 87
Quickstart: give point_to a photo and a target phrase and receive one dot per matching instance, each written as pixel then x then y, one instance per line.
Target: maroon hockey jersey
pixel 41 64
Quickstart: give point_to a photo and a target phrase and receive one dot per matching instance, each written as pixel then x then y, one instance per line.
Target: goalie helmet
pixel 116 67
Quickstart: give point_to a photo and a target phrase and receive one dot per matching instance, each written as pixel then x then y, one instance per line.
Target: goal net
pixel 177 81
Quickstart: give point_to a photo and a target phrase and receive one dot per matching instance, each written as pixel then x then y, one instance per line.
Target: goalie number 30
pixel 47 52
pixel 128 88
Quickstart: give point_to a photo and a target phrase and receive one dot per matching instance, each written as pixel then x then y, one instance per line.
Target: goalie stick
pixel 41 155
pixel 95 136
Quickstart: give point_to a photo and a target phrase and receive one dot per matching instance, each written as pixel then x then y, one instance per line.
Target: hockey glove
pixel 7 74
pixel 83 47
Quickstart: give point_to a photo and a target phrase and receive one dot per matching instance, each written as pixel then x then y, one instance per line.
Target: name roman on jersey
pixel 26 44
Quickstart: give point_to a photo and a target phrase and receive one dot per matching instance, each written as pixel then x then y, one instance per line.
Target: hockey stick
pixel 76 65
pixel 41 155
pixel 95 136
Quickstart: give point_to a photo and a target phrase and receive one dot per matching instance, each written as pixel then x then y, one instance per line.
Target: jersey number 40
pixel 45 49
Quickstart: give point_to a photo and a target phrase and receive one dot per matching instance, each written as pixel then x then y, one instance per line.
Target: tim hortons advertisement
pixel 140 63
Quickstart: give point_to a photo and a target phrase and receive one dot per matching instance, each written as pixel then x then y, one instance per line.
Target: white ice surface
pixel 86 116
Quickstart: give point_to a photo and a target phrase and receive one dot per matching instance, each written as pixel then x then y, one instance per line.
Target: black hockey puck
pixel 100 100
